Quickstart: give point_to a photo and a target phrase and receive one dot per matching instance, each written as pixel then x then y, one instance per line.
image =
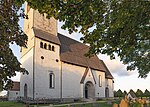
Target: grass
pixel 14 104
pixel 11 104
pixel 97 104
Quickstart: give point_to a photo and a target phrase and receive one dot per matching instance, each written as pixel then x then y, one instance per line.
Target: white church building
pixel 57 65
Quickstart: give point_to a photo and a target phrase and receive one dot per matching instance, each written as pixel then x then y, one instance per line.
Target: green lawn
pixel 14 104
pixel 11 104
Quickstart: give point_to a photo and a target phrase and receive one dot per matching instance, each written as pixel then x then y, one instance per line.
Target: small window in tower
pixel 51 80
pixel 45 46
pixel 53 48
pixel 41 44
pixel 49 47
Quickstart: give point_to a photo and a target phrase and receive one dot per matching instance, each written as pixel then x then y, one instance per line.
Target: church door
pixel 107 92
pixel 89 90
pixel 25 91
pixel 86 92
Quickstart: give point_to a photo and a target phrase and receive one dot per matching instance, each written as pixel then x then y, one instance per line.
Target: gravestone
pixel 51 105
pixel 124 103
pixel 109 103
pixel 115 105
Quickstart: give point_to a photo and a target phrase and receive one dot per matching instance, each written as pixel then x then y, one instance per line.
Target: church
pixel 57 65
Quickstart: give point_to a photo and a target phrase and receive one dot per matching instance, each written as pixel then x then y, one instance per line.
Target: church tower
pixel 41 57
pixel 39 21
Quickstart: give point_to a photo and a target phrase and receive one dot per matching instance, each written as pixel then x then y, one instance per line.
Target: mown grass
pixel 15 104
pixel 11 104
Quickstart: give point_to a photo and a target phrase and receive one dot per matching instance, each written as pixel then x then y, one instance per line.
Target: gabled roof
pixel 132 94
pixel 73 52
pixel 85 74
pixel 16 86
pixel 107 72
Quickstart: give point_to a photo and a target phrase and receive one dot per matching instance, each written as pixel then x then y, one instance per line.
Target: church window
pixel 49 47
pixel 42 57
pixel 100 80
pixel 51 80
pixel 41 44
pixel 53 49
pixel 45 46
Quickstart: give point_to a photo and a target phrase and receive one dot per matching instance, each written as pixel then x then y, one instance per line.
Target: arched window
pixel 45 46
pixel 51 80
pixel 41 44
pixel 25 91
pixel 49 47
pixel 53 49
pixel 100 80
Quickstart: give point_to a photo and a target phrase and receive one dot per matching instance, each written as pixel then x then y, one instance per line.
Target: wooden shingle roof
pixel 16 86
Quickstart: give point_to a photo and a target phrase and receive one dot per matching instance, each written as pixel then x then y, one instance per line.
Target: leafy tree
pixel 146 93
pixel 112 27
pixel 10 33
pixel 119 93
pixel 139 93
pixel 115 93
pixel 125 93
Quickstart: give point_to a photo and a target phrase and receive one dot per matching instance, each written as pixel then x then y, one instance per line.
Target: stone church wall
pixel 27 62
pixel 110 85
pixel 99 89
pixel 72 75
pixel 46 62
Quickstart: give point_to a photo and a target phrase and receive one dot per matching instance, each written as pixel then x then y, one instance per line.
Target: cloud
pixel 115 66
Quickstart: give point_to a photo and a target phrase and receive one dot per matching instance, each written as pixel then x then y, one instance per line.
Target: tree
pixel 10 33
pixel 146 93
pixel 139 93
pixel 125 93
pixel 119 93
pixel 112 27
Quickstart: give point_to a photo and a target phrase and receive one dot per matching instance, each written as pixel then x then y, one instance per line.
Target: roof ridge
pixel 72 39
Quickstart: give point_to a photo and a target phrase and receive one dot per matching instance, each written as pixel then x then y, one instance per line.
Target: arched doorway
pixel 89 90
pixel 25 91
pixel 107 92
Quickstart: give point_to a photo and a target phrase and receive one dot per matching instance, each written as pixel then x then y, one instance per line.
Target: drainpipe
pixel 61 81
pixel 33 64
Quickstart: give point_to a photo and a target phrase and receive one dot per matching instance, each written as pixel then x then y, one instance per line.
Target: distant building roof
pixel 16 86
pixel 132 94
pixel 73 52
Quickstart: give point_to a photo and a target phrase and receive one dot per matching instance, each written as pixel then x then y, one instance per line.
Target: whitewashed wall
pixel 99 90
pixel 110 85
pixel 12 95
pixel 72 75
pixel 27 63
pixel 43 67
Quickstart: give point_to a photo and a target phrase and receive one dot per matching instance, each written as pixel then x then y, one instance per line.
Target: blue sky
pixel 124 80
